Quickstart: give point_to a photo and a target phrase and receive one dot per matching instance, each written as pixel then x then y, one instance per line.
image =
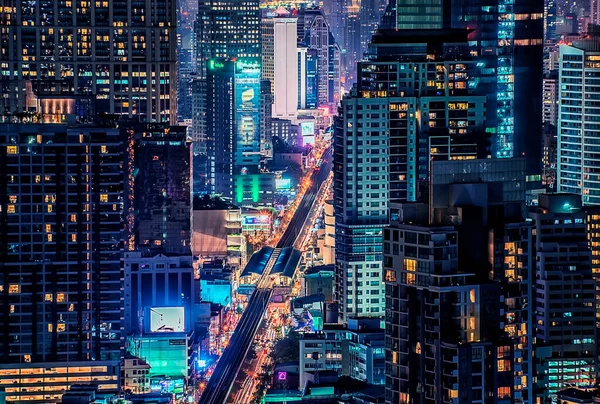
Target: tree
pixel 287 349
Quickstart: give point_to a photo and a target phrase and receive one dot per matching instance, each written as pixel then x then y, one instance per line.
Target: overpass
pixel 220 383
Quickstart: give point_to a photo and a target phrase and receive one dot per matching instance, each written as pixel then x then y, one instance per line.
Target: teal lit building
pixel 506 39
pixel 234 127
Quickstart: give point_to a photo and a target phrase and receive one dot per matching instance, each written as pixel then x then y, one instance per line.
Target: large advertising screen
pixel 247 109
pixel 283 183
pixel 262 219
pixel 167 319
pixel 308 132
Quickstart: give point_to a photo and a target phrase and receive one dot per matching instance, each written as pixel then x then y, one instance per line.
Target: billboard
pixel 263 219
pixel 167 319
pixel 283 183
pixel 247 111
pixel 308 132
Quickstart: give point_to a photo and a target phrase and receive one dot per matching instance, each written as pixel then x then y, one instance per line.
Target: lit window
pixel 39 139
pixel 38 179
pixel 27 358
pixel 103 149
pixel 11 209
pixel 71 307
pixel 50 237
pixel 48 228
pixel 74 237
pixel 12 199
pixel 60 297
pixel 60 327
pixel 73 218
pixel 12 309
pixel 48 297
pixel 14 289
pixel 49 208
pixel 103 197
pixel 12 149
pixel 50 327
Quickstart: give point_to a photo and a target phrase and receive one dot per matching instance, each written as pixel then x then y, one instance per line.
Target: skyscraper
pixel 233 119
pixel 512 60
pixel 285 57
pixel 158 196
pixel 61 277
pixel 226 29
pixel 456 331
pixel 316 35
pixel 577 129
pixel 123 54
pixel 417 99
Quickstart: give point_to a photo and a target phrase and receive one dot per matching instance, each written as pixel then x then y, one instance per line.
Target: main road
pixel 220 383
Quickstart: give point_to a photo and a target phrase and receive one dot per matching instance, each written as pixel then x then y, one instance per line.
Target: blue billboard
pixel 247 117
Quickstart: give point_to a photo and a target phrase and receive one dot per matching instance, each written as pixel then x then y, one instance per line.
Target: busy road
pixel 220 384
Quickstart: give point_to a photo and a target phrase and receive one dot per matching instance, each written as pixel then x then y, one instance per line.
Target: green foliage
pixel 287 349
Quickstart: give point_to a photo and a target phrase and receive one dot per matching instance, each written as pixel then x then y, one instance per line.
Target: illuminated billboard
pixel 167 319
pixel 263 219
pixel 308 132
pixel 247 112
pixel 283 183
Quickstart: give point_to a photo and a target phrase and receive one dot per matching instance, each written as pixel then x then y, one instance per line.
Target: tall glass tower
pixel 507 40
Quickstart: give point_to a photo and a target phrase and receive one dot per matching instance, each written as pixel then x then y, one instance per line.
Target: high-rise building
pixel 61 278
pixel 158 197
pixel 123 54
pixel 267 39
pixel 565 326
pixel 458 274
pixel 512 62
pixel 227 29
pixel 234 135
pixel 577 129
pixel 550 108
pixel 316 36
pixel 307 78
pixel 285 56
pixel 408 108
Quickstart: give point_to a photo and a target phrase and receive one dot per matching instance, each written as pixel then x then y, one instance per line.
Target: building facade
pixel 285 53
pixel 61 263
pixel 123 55
pixel 577 129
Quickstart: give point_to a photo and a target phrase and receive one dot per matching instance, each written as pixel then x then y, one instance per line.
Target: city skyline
pixel 246 201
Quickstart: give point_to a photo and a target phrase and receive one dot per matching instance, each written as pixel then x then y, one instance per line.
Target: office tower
pixel 158 196
pixel 404 112
pixel 438 104
pixel 565 332
pixel 266 119
pixel 61 276
pixel 227 29
pixel 123 54
pixel 594 12
pixel 513 63
pixel 458 274
pixel 316 36
pixel 267 39
pixel 334 73
pixel 550 13
pixel 550 97
pixel 360 205
pixel 285 53
pixel 576 129
pixel 307 78
pixel 233 119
